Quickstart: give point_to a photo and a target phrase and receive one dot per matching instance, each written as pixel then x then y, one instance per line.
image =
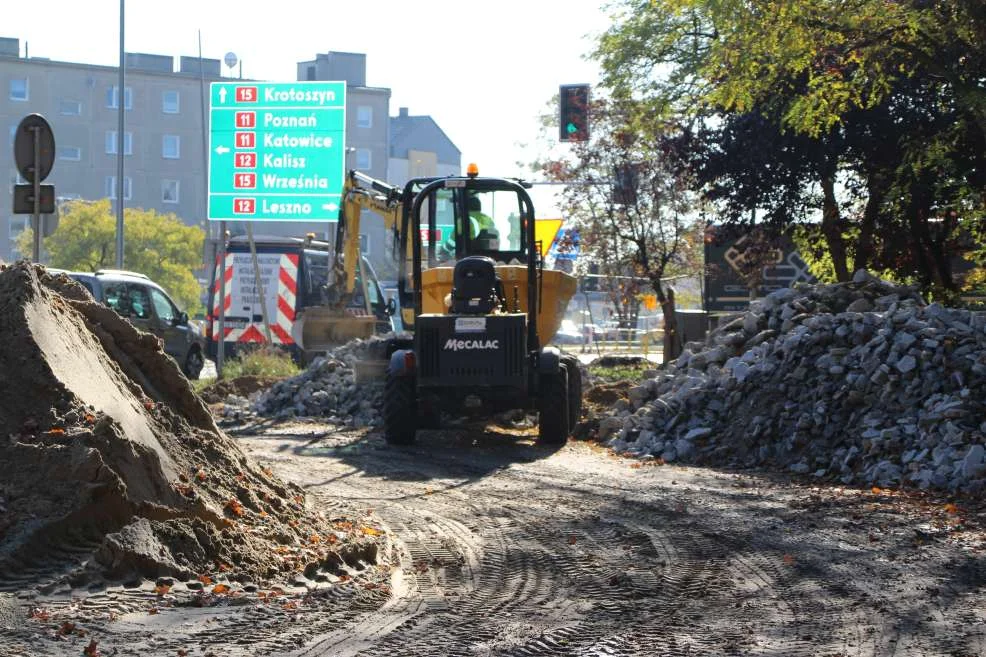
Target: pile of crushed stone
pixel 327 389
pixel 858 382
pixel 111 468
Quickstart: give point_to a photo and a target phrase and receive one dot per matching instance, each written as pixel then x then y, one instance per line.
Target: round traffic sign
pixel 24 147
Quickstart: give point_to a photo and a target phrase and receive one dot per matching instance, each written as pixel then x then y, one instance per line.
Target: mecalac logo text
pixel 455 345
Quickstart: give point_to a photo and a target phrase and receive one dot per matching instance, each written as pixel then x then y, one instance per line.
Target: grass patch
pixel 612 372
pixel 264 362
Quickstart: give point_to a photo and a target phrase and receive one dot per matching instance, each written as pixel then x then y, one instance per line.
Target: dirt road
pixel 506 547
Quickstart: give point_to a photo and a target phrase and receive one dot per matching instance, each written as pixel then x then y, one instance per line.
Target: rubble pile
pixel 858 382
pixel 327 388
pixel 112 468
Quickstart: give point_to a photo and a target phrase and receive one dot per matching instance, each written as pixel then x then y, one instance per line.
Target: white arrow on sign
pixel 222 94
pixel 221 149
pixel 330 206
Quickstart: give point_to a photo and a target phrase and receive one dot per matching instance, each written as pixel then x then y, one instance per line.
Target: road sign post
pixel 34 154
pixel 276 150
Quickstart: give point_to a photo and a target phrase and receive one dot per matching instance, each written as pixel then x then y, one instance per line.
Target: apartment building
pixel 162 140
pixel 165 135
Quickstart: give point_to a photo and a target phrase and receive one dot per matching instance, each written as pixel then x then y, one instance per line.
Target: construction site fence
pixel 629 341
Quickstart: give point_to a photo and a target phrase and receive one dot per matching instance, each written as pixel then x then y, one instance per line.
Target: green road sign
pixel 277 150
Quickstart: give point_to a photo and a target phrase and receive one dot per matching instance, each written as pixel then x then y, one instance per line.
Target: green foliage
pixel 264 361
pixel 620 372
pixel 157 245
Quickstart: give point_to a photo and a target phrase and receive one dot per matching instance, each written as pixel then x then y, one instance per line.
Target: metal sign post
pixel 34 154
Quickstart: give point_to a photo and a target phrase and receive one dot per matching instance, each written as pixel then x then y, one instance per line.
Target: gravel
pixel 860 382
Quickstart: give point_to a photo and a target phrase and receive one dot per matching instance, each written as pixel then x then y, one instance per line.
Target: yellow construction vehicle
pixel 482 309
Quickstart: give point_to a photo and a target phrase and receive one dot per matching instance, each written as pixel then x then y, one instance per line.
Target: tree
pixel 867 116
pixel 157 245
pixel 634 212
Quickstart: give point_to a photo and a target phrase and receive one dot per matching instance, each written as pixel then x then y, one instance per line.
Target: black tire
pixel 553 427
pixel 194 362
pixel 400 410
pixel 574 391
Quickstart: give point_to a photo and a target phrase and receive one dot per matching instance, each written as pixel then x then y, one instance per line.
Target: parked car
pixel 568 333
pixel 149 308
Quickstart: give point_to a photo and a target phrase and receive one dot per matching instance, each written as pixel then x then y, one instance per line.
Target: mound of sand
pixel 111 466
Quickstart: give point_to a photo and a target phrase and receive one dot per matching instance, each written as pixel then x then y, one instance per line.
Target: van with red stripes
pixel 293 275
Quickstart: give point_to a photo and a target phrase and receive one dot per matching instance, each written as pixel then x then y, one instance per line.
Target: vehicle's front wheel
pixel 194 362
pixel 400 410
pixel 553 417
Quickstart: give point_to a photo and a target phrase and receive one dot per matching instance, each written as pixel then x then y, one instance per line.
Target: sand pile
pixel 110 466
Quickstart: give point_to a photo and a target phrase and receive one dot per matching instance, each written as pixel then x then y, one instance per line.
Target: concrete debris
pixel 326 389
pixel 857 382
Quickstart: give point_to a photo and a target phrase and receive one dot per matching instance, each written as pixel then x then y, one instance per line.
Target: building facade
pixel 162 142
pixel 166 134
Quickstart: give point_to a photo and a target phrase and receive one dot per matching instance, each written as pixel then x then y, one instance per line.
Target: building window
pixel 110 190
pixel 128 143
pixel 363 159
pixel 70 108
pixel 170 102
pixel 113 98
pixel 170 147
pixel 72 153
pixel 364 117
pixel 169 191
pixel 18 89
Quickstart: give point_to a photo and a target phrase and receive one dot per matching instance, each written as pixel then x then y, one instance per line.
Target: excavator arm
pixel 325 326
pixel 360 192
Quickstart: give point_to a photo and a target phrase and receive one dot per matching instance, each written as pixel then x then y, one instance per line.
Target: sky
pixel 484 71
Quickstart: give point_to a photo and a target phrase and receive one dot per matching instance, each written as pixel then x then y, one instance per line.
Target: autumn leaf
pixel 39 613
pixel 152 611
pixel 200 475
pixel 788 560
pixel 370 531
pixel 55 431
pixel 224 567
pixel 91 650
pixel 267 471
pixel 290 605
pixel 182 652
pixel 66 628
pixel 235 507
pixel 314 538
pixel 90 418
pixel 951 508
pixel 219 589
pixel 876 490
pixel 162 590
pixel 635 466
pixel 205 579
pixel 149 405
pixel 572 540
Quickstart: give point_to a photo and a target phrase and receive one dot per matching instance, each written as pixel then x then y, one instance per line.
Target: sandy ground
pixel 504 547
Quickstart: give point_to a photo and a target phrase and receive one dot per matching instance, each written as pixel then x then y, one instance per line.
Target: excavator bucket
pixel 321 328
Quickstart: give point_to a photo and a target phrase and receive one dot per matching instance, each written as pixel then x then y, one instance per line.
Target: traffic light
pixel 574 112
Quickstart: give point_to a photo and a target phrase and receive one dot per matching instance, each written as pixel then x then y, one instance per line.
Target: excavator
pixel 478 303
pixel 321 327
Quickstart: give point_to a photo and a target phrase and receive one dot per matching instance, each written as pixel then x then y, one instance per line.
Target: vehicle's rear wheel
pixel 194 362
pixel 400 410
pixel 574 391
pixel 553 415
